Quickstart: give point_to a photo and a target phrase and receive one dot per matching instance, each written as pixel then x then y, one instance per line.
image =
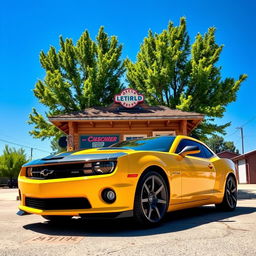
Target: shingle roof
pixel 244 155
pixel 115 111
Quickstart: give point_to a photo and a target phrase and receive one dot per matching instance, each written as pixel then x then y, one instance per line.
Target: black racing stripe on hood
pixel 59 156
pixel 76 158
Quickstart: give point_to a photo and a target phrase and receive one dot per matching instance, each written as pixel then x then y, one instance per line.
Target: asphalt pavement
pixel 198 231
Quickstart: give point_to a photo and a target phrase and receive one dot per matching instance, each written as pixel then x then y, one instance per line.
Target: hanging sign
pixel 129 98
pixel 98 141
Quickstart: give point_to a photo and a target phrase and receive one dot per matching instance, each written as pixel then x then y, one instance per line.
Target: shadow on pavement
pixel 246 194
pixel 175 221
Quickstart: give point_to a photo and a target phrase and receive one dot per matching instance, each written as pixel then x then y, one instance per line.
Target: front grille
pixel 57 203
pixel 58 171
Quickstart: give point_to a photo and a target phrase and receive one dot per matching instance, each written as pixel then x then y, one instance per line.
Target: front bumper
pixel 89 187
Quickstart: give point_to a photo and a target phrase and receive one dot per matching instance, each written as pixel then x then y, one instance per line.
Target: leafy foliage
pixel 172 72
pixel 217 144
pixel 11 162
pixel 77 76
pixel 169 71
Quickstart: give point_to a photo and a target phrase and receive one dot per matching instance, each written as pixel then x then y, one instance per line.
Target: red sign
pixel 129 98
pixel 98 141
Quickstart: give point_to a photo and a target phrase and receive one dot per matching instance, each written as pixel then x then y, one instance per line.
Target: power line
pixel 229 135
pixel 247 122
pixel 25 146
pixel 21 143
pixel 3 134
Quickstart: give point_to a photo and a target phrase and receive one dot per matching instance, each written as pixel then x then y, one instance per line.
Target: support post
pixel 183 127
pixel 70 146
pixel 242 137
pixel 31 153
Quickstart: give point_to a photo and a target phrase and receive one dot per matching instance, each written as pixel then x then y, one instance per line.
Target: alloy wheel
pixel 154 198
pixel 231 192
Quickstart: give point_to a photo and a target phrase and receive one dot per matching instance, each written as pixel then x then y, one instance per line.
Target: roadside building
pixel 227 154
pixel 246 167
pixel 129 117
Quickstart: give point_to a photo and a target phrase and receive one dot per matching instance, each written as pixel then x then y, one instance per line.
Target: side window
pixel 187 142
pixel 201 153
pixel 182 144
pixel 207 152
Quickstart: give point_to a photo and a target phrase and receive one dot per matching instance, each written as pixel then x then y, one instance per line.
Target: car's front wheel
pixel 151 199
pixel 230 195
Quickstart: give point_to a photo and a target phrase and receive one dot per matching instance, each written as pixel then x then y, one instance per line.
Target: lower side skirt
pixel 109 215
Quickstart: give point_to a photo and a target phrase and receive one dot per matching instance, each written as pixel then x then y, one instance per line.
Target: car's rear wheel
pixel 230 196
pixel 57 218
pixel 151 199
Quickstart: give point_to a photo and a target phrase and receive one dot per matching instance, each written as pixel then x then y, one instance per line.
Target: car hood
pixel 81 155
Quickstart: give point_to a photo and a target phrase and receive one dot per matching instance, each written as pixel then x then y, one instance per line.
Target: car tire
pixel 151 199
pixel 230 195
pixel 57 218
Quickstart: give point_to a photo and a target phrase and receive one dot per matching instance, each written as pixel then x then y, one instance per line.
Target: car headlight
pixel 29 172
pixel 101 167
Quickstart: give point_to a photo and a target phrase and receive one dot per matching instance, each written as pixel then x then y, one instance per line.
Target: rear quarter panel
pixel 223 168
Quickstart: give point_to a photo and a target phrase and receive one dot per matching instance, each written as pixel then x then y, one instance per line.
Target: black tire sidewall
pixel 138 211
pixel 227 205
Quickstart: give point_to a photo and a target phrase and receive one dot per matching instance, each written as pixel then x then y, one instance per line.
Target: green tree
pixel 77 76
pixel 172 72
pixel 217 144
pixel 11 161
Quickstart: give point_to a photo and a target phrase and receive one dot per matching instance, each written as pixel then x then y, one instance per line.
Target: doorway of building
pixel 242 171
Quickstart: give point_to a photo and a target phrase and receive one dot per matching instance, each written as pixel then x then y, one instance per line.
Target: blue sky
pixel 27 27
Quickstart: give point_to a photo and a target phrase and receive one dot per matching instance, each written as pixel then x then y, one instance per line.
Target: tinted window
pixel 162 143
pixel 207 152
pixel 187 142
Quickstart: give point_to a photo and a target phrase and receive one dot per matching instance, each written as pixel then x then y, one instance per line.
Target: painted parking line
pixel 55 239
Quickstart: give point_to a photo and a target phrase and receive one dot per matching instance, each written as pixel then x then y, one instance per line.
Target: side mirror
pixel 189 150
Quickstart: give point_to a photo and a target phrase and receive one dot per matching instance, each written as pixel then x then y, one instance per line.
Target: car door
pixel 197 173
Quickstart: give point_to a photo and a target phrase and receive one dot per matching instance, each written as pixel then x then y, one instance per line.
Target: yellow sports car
pixel 143 178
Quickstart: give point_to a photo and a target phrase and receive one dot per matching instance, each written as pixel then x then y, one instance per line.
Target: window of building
pixel 134 136
pixel 164 133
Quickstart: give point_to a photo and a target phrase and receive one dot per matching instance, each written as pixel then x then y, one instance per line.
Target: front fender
pixel 139 162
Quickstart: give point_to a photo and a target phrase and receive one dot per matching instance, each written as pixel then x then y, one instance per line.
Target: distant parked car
pixel 12 183
pixel 3 181
pixel 143 178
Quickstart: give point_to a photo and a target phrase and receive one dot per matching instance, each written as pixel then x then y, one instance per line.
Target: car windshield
pixel 162 143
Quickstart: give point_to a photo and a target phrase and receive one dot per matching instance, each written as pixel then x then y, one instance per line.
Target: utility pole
pixel 31 153
pixel 242 137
